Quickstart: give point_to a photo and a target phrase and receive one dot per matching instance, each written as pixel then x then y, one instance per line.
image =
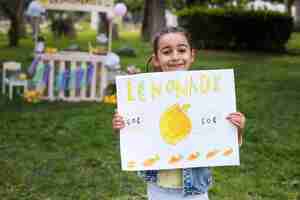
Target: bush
pixel 233 28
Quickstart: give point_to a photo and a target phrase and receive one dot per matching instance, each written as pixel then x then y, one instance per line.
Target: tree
pixel 288 6
pixel 14 11
pixel 154 18
pixel 297 21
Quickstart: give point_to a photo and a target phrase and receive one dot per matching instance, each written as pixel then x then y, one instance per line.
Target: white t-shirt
pixel 155 192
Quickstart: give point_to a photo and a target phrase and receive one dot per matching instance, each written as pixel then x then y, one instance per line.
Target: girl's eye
pixel 166 51
pixel 182 50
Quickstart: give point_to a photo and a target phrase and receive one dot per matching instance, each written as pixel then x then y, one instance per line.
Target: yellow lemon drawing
pixel 175 125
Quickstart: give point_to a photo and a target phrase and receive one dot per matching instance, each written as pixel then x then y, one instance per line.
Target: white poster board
pixel 177 119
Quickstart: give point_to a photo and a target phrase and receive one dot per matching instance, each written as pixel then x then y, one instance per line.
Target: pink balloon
pixel 120 9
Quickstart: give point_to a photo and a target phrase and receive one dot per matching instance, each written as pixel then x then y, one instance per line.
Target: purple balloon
pixel 79 77
pixel 33 65
pixel 120 9
pixel 46 74
pixel 90 72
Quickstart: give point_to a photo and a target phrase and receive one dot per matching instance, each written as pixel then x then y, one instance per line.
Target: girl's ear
pixel 155 63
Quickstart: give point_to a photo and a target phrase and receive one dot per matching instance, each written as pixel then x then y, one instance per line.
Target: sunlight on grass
pixel 294 42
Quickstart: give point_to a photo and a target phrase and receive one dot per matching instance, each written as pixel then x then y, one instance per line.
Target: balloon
pixel 112 61
pixel 35 9
pixel 102 39
pixel 110 16
pixel 120 9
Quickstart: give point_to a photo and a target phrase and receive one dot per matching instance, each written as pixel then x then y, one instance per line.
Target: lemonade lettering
pixel 202 84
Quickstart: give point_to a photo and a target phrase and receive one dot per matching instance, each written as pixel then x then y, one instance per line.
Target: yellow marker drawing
pixel 175 125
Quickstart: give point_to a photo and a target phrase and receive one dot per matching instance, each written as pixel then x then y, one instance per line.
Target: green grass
pixel 66 151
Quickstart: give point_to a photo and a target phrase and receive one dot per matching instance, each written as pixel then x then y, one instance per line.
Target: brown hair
pixel 157 36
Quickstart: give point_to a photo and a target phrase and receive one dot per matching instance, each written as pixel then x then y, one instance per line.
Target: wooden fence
pixel 91 89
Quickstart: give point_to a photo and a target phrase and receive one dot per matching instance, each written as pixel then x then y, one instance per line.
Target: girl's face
pixel 174 53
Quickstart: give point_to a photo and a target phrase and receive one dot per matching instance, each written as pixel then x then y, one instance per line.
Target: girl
pixel 173 52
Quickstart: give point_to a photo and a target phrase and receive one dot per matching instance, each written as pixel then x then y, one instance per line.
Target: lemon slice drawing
pixel 212 154
pixel 193 156
pixel 131 164
pixel 175 159
pixel 151 161
pixel 175 125
pixel 227 151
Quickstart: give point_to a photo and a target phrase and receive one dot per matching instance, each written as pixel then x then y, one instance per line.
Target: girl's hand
pixel 239 120
pixel 118 122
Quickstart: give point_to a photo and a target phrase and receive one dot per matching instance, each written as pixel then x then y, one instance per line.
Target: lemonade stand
pixel 74 75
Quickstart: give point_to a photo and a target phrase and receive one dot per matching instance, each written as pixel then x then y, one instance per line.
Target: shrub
pixel 234 28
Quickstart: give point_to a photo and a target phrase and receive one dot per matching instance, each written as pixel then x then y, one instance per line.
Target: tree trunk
pixel 70 30
pixel 14 32
pixel 23 32
pixel 15 15
pixel 103 23
pixel 104 27
pixel 115 31
pixel 288 6
pixel 154 18
pixel 297 15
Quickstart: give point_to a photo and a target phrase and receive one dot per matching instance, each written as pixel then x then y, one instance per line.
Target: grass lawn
pixel 66 151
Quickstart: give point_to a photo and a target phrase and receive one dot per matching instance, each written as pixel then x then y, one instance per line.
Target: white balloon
pixel 110 16
pixel 112 61
pixel 102 39
pixel 120 9
pixel 35 9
